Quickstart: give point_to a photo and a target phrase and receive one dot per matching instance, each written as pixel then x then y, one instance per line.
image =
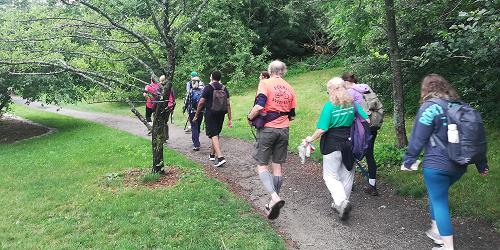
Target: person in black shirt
pixel 215 99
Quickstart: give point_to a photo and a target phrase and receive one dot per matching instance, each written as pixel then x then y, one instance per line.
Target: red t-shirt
pixel 280 98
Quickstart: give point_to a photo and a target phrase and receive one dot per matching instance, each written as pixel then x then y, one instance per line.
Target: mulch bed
pixel 13 130
pixel 133 178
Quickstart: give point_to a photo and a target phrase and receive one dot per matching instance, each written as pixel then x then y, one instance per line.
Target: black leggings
pixel 149 112
pixel 370 160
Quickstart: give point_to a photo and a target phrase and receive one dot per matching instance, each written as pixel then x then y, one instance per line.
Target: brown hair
pixel 435 86
pixel 350 77
pixel 265 74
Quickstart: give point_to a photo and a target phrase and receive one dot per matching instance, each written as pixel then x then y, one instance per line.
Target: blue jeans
pixel 195 129
pixel 438 182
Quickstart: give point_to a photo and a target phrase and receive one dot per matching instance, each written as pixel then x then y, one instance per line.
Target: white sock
pixel 372 181
pixel 434 226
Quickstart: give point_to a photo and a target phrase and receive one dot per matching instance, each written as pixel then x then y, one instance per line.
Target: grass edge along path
pixel 54 195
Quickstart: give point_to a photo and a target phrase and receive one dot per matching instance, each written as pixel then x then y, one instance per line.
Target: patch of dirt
pixel 133 178
pixel 13 130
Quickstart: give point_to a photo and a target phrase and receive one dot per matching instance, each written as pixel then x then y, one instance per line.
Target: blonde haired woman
pixel 334 128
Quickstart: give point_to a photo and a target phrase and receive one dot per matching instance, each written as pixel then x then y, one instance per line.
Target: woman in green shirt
pixel 334 128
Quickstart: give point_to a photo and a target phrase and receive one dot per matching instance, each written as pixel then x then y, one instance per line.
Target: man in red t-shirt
pixel 276 101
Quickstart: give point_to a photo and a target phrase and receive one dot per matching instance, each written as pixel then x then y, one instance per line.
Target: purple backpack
pixel 360 135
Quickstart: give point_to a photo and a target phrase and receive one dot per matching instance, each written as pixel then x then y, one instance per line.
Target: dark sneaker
pixel 274 210
pixel 211 157
pixel 344 209
pixel 196 148
pixel 371 190
pixel 220 162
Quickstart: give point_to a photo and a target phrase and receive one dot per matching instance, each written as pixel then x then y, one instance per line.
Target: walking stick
pixel 185 125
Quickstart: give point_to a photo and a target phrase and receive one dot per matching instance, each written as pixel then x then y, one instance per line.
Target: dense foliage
pixel 458 40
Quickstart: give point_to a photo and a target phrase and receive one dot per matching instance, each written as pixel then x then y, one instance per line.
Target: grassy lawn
pixel 54 196
pixel 472 196
pixel 114 107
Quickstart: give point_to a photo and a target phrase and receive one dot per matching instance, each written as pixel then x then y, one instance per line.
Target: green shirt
pixel 333 116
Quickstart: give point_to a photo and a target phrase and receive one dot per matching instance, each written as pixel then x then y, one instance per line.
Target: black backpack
pixel 219 100
pixel 471 147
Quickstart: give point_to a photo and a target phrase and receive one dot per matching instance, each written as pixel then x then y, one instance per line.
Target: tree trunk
pixel 162 114
pixel 397 87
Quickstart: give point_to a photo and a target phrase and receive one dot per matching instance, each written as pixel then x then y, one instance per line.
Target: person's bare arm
pixel 229 116
pixel 200 106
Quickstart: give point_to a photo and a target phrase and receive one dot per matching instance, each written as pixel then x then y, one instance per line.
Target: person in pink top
pixel 150 92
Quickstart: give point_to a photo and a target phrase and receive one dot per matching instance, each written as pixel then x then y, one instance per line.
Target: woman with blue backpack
pixel 193 97
pixel 437 131
pixel 334 128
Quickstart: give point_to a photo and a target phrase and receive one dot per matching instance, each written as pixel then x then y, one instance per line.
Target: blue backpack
pixel 471 146
pixel 195 97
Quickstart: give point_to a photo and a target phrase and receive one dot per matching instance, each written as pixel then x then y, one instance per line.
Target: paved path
pixel 306 221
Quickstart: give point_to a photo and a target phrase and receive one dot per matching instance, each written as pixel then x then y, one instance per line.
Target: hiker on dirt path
pixel 366 97
pixel 151 91
pixel 189 84
pixel 190 105
pixel 215 99
pixel 334 128
pixel 432 127
pixel 274 108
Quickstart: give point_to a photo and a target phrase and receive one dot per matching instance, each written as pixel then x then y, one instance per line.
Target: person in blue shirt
pixel 438 170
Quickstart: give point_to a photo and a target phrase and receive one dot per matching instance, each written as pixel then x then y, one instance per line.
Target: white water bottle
pixel 452 133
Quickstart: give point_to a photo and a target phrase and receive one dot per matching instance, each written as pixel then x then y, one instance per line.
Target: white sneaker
pixel 413 167
pixel 441 248
pixel 434 236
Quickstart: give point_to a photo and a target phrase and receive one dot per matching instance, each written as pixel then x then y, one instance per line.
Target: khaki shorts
pixel 271 144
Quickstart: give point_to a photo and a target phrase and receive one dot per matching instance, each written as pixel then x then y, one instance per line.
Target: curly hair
pixel 337 92
pixel 435 86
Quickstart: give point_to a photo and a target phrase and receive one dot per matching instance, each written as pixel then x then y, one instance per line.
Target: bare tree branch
pixel 156 24
pixel 37 73
pixel 141 38
pixel 64 36
pixel 193 19
pixel 141 62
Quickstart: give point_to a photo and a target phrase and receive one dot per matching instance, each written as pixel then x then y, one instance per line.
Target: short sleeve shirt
pixel 280 98
pixel 208 92
pixel 333 116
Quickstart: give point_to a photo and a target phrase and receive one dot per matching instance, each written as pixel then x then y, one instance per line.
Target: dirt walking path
pixel 306 221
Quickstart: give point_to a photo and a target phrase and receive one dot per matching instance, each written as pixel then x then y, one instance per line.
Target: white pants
pixel 337 179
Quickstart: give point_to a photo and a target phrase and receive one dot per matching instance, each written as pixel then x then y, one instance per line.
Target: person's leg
pixel 370 160
pixel 347 179
pixel 267 181
pixel 262 154
pixel 438 183
pixel 277 177
pixel 279 155
pixel 216 146
pixel 195 134
pixel 149 112
pixel 331 165
pixel 219 121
